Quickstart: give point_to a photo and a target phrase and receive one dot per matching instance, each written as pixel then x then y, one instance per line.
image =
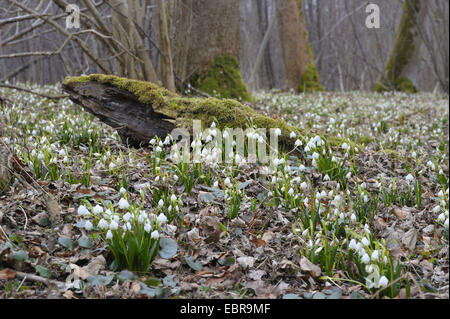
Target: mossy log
pixel 141 110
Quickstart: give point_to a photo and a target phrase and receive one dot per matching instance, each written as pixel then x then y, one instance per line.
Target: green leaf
pixel 99 280
pixel 153 281
pixel 44 272
pixel 21 255
pixel 125 275
pixel 85 242
pixel 192 263
pixel 229 261
pixel 44 221
pixel 169 247
pixel 67 243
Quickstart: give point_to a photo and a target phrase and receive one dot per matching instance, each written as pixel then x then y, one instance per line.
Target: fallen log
pixel 141 110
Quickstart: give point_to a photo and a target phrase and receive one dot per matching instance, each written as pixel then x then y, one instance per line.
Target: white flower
pixel 109 235
pixel 446 223
pixel 326 178
pixel 293 135
pixel 97 209
pixel 82 210
pixel 148 227
pixel 161 203
pixel 162 218
pixel 291 191
pixel 103 224
pixel 277 132
pixel 122 191
pixel 436 209
pixel 365 259
pixel 383 281
pixel 173 198
pixel 216 184
pixel 353 217
pixel 62 153
pixel 227 181
pixel 409 178
pixel 375 255
pixel 298 143
pixel 345 146
pixel 152 141
pixel 113 225
pixel 88 225
pixel 123 203
pixel 365 241
pixel 315 155
pixel 127 217
pixel 155 234
pixel 302 168
pixel 112 165
pixel 352 244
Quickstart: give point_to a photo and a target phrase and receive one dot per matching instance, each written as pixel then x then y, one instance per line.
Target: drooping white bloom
pixel 88 225
pixel 122 191
pixel 277 132
pixel 162 219
pixel 365 259
pixel 161 203
pixel 302 168
pixel 227 181
pixel 82 210
pixel 352 244
pixel 383 281
pixel 298 143
pixel 148 227
pixel 365 241
pixel 103 224
pixel 155 234
pixel 291 191
pixel 375 255
pixel 113 225
pixel 127 217
pixel 109 235
pixel 97 209
pixel 293 135
pixel 123 204
pixel 353 217
pixel 409 178
pixel 436 209
pixel 326 178
pixel 216 184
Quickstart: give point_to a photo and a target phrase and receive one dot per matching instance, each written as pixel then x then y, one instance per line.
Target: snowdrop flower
pixel 315 155
pixel 365 241
pixel 216 184
pixel 123 204
pixel 298 143
pixel 127 217
pixel 109 235
pixel 82 210
pixel 147 227
pixel 162 219
pixel 88 225
pixel 291 191
pixel 383 281
pixel 365 259
pixel 161 203
pixel 62 153
pixel 353 217
pixel 152 141
pixel 349 174
pixel 302 168
pixel 112 165
pixel 155 234
pixel 446 223
pixel 103 224
pixel 293 135
pixel 326 178
pixel 277 132
pixel 122 191
pixel 113 225
pixel 345 146
pixel 409 178
pixel 227 181
pixel 158 149
pixel 352 244
pixel 173 198
pixel 213 124
pixel 97 209
pixel 436 209
pixel 375 255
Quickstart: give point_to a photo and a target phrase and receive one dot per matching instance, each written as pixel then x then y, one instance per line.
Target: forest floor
pixel 361 210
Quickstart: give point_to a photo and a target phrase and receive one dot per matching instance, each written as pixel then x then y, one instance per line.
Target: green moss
pixel 225 112
pixel 223 79
pixel 365 140
pixel 402 52
pixel 310 81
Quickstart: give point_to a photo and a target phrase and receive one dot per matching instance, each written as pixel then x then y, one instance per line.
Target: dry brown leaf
pixel 308 266
pixel 7 274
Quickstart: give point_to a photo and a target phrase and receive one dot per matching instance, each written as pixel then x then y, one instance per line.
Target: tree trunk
pixel 399 70
pixel 301 73
pixel 167 75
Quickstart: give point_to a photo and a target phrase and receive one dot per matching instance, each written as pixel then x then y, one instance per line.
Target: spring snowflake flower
pixel 302 168
pixel 109 235
pixel 216 184
pixel 227 181
pixel 88 225
pixel 123 204
pixel 155 234
pixel 97 209
pixel 383 281
pixel 437 209
pixel 112 165
pixel 365 241
pixel 409 178
pixel 375 255
pixel 365 259
pixel 352 244
pixel 113 225
pixel 326 178
pixel 161 203
pixel 277 132
pixel 298 143
pixel 162 219
pixel 127 217
pixel 147 227
pixel 103 224
pixel 293 135
pixel 353 217
pixel 122 191
pixel 82 210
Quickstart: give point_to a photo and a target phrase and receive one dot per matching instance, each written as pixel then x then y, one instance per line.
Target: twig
pixel 26 218
pixel 40 279
pixel 19 88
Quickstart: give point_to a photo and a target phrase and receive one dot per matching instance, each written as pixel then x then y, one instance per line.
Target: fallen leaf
pixel 7 274
pixel 308 266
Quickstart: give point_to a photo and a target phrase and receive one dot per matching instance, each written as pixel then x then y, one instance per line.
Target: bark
pixel 400 71
pixel 167 75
